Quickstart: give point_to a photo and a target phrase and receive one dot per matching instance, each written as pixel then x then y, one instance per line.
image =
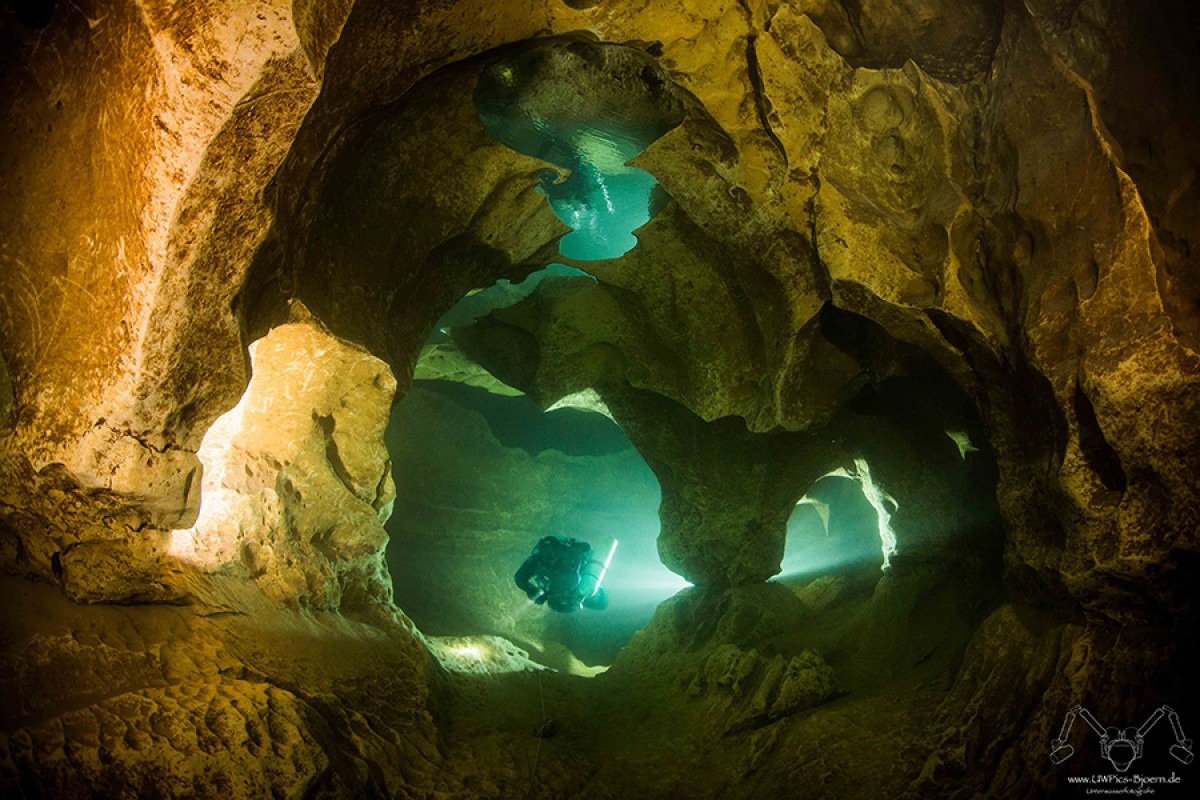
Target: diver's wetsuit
pixel 553 572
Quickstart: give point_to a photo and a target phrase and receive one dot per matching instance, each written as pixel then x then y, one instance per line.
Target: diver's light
pixel 607 563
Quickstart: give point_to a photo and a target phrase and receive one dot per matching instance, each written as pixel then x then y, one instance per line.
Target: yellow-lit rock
pixel 297 481
pixel 996 201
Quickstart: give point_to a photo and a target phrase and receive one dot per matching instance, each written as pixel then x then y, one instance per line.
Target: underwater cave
pixel 581 399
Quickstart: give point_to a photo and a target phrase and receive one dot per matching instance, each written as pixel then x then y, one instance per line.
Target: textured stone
pixel 298 482
pixel 765 690
pixel 161 701
pixel 953 41
pixel 1007 189
pixel 192 120
pixel 444 361
pixel 729 652
pixel 6 396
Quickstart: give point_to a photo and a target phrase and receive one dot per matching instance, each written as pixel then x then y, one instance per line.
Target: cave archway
pixel 481 477
pixel 832 526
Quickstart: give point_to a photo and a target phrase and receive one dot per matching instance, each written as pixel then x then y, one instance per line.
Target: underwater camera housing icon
pixel 1122 747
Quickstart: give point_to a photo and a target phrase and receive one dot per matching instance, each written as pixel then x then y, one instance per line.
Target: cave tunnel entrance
pixel 546 102
pixel 482 474
pixel 834 528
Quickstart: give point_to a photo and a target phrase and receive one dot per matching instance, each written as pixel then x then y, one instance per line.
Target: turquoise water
pixel 501 294
pixel 602 198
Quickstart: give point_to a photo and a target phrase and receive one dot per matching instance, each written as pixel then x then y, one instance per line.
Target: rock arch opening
pixel 482 473
pixel 480 479
pixel 589 110
pixel 833 527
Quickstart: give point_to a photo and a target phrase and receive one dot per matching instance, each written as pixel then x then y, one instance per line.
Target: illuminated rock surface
pixel 297 482
pixel 896 231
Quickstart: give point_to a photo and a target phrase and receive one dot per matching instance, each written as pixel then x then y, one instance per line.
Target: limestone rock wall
pixel 298 482
pixel 140 141
pixel 1007 188
pixel 726 656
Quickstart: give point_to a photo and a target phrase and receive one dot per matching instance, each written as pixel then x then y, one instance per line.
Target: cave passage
pixel 833 527
pixel 603 199
pixel 878 323
pixel 499 295
pixel 482 473
pixel 480 477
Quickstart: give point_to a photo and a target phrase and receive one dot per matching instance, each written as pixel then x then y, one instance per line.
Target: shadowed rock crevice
pixel 1096 449
pixel 954 42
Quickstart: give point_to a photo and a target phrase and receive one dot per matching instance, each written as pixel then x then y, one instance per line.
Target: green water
pixel 601 197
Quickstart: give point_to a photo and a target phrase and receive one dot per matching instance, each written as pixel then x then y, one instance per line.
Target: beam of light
pixel 634 575
pixel 636 583
pixel 804 559
pixel 640 578
pixel 607 563
pixel 810 549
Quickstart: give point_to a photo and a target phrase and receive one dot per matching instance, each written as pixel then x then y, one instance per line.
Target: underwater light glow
pixel 603 206
pixel 213 538
pixel 603 198
pixel 840 523
pixel 467 651
pixel 639 577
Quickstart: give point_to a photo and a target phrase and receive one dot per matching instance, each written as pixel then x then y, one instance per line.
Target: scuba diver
pixel 562 574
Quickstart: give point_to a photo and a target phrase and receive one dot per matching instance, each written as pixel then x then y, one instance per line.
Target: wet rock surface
pixel 158 700
pixel 297 478
pixel 1005 191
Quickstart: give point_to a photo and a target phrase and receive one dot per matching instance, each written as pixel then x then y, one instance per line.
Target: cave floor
pixel 610 739
pixel 325 697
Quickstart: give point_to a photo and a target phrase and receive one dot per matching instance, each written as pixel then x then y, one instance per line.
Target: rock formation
pixel 943 248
